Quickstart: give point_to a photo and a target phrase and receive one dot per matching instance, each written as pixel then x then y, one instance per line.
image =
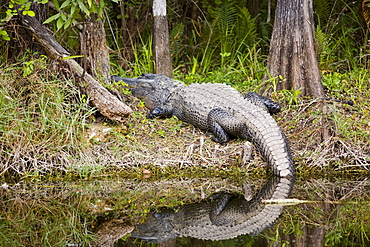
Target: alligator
pixel 220 109
pixel 221 216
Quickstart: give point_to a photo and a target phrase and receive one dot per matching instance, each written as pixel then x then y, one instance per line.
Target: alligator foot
pixel 159 112
pixel 263 102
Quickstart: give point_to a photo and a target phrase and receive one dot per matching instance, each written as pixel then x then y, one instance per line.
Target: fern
pixel 322 46
pixel 227 16
pixel 322 10
pixel 247 33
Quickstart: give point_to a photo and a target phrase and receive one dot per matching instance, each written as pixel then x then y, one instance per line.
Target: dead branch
pixel 108 105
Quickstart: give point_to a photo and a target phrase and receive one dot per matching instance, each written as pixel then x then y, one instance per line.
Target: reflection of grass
pixel 352 227
pixel 39 220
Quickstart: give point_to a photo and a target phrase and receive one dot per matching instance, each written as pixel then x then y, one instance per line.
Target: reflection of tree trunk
pixel 94 48
pixel 161 39
pixel 308 237
pixel 108 105
pixel 311 236
pixel 293 53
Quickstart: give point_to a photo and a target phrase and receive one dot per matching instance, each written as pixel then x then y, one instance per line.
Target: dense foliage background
pixel 205 35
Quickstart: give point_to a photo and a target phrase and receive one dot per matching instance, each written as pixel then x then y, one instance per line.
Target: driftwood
pixel 107 104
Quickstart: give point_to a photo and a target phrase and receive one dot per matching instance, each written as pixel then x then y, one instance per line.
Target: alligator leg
pixel 221 123
pixel 218 205
pixel 263 102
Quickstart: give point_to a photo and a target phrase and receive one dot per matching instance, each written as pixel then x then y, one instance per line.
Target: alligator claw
pixel 257 99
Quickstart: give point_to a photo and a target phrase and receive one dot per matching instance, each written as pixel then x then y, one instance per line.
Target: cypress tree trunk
pixel 161 39
pixel 93 46
pixel 293 53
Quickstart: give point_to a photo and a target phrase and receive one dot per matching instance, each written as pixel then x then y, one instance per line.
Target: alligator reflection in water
pixel 222 216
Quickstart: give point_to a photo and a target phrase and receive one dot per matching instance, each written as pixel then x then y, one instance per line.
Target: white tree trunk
pixel 161 39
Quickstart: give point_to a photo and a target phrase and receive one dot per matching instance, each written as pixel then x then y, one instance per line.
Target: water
pixel 108 211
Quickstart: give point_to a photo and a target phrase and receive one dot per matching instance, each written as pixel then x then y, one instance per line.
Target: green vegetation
pixel 39 220
pixel 338 213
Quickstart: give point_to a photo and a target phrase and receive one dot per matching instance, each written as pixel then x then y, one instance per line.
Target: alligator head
pixel 157 227
pixel 153 89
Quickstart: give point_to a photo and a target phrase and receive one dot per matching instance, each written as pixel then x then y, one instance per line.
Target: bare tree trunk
pixel 254 7
pixel 125 29
pixel 293 53
pixel 94 48
pixel 128 27
pixel 108 105
pixel 161 39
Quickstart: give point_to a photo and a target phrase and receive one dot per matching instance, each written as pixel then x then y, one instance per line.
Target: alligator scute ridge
pixel 218 108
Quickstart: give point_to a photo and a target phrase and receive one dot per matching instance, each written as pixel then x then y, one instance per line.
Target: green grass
pixel 42 221
pixel 41 117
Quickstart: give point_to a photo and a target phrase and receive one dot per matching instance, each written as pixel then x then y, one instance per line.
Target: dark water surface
pixel 108 212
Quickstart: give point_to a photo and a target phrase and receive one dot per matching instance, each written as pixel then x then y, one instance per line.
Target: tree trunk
pixel 20 39
pixel 128 30
pixel 254 7
pixel 293 53
pixel 107 104
pixel 161 39
pixel 93 46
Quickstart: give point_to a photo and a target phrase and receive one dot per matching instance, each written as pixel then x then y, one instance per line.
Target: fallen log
pixel 107 104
